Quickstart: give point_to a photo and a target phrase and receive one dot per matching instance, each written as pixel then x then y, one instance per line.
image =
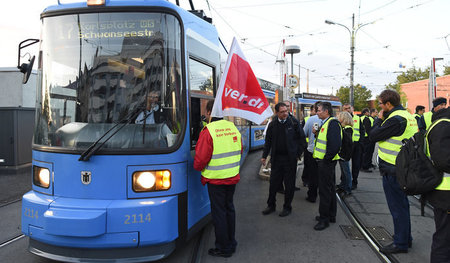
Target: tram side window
pixel 201 84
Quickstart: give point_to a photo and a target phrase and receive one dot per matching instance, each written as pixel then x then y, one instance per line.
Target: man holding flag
pixel 219 147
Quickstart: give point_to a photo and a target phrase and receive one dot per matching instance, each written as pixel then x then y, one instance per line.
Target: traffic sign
pixel 293 81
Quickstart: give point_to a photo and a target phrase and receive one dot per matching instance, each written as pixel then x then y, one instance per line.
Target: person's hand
pixel 263 161
pixel 380 114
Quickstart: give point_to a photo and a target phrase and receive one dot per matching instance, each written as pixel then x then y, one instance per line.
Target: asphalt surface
pixel 261 238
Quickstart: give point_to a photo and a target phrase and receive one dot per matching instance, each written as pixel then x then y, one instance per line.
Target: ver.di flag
pixel 239 93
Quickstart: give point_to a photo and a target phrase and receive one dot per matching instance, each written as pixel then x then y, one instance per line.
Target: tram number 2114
pixel 137 219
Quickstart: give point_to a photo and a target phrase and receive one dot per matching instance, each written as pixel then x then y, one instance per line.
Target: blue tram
pixel 122 86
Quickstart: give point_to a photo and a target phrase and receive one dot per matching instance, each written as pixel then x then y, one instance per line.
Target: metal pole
pixel 299 79
pixel 352 61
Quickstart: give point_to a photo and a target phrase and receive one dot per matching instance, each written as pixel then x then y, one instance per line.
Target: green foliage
pixel 361 94
pixel 411 75
pixel 446 70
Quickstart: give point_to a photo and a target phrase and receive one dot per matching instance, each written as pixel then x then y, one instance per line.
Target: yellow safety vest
pixel 371 121
pixel 306 119
pixel 320 146
pixel 389 148
pixel 356 133
pixel 371 124
pixel 445 184
pixel 427 117
pixel 226 156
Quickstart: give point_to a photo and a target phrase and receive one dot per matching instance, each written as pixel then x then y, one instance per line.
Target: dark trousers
pixel 223 216
pixel 356 161
pixel 312 176
pixel 367 153
pixel 370 151
pixel 283 170
pixel 398 206
pixel 327 190
pixel 440 248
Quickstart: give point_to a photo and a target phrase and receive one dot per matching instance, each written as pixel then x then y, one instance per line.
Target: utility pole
pixel 352 51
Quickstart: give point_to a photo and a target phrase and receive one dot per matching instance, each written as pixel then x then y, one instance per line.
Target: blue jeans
pixel 346 176
pixel 399 207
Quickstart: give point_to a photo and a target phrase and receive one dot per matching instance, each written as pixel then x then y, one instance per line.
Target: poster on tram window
pixel 239 93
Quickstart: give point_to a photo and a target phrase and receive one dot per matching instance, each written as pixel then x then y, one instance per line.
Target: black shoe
pixel 219 253
pixel 354 186
pixel 268 210
pixel 285 212
pixel 321 225
pixel 346 194
pixel 392 249
pixel 410 244
pixel 297 188
pixel 332 219
pixel 311 200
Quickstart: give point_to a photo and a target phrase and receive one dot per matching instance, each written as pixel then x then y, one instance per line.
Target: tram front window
pixel 102 71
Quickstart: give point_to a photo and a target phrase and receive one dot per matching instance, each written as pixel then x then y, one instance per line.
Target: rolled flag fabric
pixel 239 93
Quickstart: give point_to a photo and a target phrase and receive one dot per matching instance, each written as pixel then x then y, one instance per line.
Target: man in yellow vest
pixel 425 120
pixel 438 149
pixel 366 163
pixel 357 154
pixel 393 125
pixel 420 110
pixel 327 145
pixel 217 156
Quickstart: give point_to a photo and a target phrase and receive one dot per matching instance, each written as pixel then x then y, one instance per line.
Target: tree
pixel 361 95
pixel 411 75
pixel 446 70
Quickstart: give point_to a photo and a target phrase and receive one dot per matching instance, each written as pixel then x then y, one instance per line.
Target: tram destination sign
pixel 107 29
pixel 319 97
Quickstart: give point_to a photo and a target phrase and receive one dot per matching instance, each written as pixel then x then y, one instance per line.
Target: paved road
pixel 262 238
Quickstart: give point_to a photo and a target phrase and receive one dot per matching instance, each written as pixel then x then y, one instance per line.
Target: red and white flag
pixel 239 93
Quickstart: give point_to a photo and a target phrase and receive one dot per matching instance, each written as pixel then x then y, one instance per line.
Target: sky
pixel 389 33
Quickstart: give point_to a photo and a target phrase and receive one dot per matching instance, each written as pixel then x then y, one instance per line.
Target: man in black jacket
pixel 438 139
pixel 393 125
pixel 285 140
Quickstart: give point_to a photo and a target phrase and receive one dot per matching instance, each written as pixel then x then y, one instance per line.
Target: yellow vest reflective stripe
pixel 389 149
pixel 371 121
pixel 445 184
pixel 226 156
pixel 427 117
pixel 356 132
pixel 320 146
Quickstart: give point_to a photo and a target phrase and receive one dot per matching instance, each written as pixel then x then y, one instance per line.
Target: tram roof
pixel 312 101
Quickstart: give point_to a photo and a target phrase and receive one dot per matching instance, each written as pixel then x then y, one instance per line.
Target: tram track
pixel 368 236
pixel 11 240
pixel 9 202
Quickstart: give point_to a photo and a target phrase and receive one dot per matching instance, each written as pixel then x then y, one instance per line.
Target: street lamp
pixel 292 49
pixel 352 50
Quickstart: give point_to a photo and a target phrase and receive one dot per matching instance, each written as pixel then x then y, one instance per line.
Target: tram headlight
pixel 41 176
pixel 148 181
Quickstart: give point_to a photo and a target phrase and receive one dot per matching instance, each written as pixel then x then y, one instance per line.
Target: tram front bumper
pixel 83 223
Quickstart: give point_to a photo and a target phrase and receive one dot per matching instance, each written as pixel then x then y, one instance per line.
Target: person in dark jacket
pixel 393 125
pixel 438 139
pixel 425 121
pixel 366 162
pixel 327 144
pixel 358 133
pixel 285 141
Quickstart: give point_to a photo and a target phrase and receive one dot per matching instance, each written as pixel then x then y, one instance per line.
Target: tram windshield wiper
pixel 93 148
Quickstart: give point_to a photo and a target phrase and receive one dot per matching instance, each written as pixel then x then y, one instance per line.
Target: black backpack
pixel 346 150
pixel 414 170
